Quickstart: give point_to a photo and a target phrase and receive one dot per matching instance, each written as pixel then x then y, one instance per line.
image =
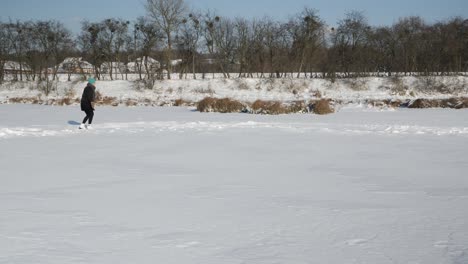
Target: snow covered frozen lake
pixel 170 185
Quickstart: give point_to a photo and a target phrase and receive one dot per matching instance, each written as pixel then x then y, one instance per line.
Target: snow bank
pixel 249 90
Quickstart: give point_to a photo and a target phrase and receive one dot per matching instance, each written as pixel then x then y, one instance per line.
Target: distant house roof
pixel 176 62
pixel 139 62
pixel 146 59
pixel 15 66
pixel 75 62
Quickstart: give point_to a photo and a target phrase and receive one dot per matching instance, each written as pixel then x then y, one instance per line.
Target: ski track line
pixel 139 127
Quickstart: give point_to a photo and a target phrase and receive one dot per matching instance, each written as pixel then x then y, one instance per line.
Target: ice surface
pixel 170 185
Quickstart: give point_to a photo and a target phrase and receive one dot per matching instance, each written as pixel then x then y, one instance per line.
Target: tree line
pixel 205 42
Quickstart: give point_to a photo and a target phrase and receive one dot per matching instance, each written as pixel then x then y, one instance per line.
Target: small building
pixel 117 67
pixel 75 65
pixel 140 64
pixel 13 67
pixel 176 62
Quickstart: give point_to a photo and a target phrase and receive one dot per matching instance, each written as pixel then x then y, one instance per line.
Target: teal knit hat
pixel 92 80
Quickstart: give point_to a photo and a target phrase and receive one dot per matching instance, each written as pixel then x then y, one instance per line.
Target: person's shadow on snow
pixel 73 123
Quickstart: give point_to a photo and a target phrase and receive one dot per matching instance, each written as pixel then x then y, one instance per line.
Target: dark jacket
pixel 89 95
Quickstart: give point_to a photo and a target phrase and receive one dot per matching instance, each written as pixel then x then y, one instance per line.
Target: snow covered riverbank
pixel 166 92
pixel 170 185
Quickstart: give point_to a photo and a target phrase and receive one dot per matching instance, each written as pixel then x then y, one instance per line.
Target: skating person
pixel 87 103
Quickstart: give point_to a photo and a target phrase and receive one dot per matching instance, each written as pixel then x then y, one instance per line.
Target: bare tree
pixel 221 41
pixel 307 32
pixel 147 36
pixel 5 46
pixel 113 35
pixel 243 41
pixel 383 48
pixel 351 38
pixel 19 35
pixel 272 43
pixel 257 52
pixel 90 43
pixel 190 35
pixel 167 15
pixel 52 39
pixel 409 32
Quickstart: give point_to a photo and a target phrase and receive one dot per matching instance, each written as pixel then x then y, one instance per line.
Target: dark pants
pixel 89 116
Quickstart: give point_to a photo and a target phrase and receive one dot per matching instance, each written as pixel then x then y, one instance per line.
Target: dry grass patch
pixel 268 108
pixel 385 103
pixel 225 105
pixel 322 107
pixel 206 105
pixel 182 102
pixel 298 107
pixel 107 100
pixel 130 102
pixel 462 104
pixel 65 101
pixel 455 102
pixel 24 100
pixel 424 103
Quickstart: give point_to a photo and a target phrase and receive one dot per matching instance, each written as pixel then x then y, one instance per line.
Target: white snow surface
pixel 171 185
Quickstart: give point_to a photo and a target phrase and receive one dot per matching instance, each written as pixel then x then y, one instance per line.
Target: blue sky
pixel 379 12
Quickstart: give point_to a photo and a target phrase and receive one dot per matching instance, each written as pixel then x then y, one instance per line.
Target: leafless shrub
pixel 208 90
pixel 70 93
pixel 440 85
pixel 144 84
pixel 316 94
pixel 241 84
pixel 270 83
pixel 295 87
pixel 357 84
pixel 430 84
pixel 397 86
pixel 47 86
